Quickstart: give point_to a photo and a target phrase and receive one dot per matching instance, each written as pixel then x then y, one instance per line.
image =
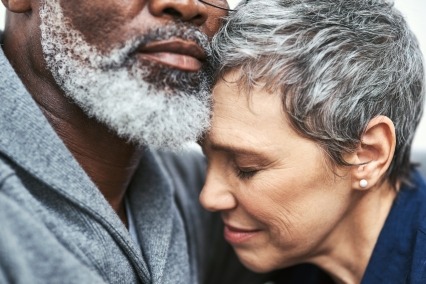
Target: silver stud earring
pixel 363 183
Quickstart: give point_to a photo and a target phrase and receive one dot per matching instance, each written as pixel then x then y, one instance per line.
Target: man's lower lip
pixel 174 60
pixel 238 237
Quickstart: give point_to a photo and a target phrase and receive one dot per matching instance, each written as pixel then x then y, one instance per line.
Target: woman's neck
pixel 349 247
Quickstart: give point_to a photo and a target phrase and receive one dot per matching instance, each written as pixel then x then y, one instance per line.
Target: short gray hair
pixel 337 64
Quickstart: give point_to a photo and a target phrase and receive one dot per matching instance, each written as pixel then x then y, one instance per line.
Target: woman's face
pixel 279 199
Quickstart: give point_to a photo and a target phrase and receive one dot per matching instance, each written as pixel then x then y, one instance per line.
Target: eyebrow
pixel 231 148
pixel 235 149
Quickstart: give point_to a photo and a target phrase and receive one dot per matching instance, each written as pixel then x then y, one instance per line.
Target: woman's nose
pixel 216 194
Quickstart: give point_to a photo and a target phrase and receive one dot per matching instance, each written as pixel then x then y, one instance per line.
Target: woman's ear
pixel 374 154
pixel 17 6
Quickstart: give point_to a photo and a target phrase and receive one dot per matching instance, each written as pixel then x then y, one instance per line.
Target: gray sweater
pixel 56 227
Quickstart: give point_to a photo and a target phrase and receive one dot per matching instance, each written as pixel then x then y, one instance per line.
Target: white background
pixel 414 11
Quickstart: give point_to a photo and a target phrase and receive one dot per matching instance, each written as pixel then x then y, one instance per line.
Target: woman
pixel 315 109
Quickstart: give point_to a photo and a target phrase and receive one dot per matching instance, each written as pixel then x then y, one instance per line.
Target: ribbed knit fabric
pixel 55 225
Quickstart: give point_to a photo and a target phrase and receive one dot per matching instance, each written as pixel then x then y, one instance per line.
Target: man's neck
pixel 108 160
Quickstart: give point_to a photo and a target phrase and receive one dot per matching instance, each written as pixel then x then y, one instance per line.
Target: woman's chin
pixel 258 265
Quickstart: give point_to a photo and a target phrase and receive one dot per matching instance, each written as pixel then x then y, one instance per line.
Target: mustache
pixel 122 55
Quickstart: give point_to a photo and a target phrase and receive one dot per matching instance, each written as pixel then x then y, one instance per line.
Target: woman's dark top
pixel 400 253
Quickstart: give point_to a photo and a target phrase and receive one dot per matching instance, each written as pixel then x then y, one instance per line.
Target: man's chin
pixel 169 80
pixel 159 123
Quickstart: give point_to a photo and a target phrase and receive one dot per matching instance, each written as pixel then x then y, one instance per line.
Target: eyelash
pixel 246 174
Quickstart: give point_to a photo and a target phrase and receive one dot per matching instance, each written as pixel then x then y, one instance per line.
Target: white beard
pixel 160 109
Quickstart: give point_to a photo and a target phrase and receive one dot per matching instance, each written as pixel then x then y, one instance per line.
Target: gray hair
pixel 337 64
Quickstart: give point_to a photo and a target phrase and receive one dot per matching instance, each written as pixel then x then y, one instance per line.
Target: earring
pixel 363 183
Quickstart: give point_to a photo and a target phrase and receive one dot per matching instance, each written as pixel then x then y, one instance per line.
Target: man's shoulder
pixel 191 158
pixel 29 250
pixel 9 180
pixel 186 169
pixel 5 170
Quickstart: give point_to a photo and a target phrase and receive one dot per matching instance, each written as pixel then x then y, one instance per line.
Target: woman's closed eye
pixel 246 173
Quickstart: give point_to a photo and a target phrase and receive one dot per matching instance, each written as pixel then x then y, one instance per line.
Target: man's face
pixel 137 66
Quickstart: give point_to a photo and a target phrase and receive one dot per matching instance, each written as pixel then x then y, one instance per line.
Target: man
pixel 86 88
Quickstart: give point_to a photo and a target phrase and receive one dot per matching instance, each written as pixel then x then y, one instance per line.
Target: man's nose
pixel 217 194
pixel 185 10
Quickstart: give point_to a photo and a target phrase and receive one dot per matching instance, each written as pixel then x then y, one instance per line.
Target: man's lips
pixel 236 235
pixel 176 53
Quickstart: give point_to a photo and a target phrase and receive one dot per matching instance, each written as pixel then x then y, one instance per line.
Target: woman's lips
pixel 237 235
pixel 175 53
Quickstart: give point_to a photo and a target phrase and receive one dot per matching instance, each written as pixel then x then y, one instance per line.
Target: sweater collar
pixel 27 139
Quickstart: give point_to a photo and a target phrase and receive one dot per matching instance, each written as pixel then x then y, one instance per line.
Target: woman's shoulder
pixel 302 273
pixel 412 194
